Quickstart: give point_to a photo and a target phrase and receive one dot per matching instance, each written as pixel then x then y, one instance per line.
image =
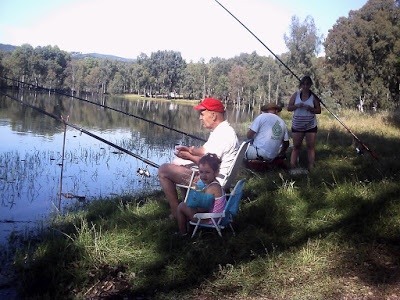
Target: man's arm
pixel 251 134
pixel 190 153
pixel 285 146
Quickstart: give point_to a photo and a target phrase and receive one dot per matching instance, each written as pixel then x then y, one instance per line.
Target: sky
pixel 198 29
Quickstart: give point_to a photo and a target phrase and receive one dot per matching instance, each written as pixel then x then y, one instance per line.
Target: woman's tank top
pixel 303 120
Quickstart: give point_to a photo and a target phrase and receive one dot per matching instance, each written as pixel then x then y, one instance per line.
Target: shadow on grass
pixel 278 212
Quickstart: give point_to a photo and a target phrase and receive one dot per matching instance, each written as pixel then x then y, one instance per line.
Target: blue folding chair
pixel 224 219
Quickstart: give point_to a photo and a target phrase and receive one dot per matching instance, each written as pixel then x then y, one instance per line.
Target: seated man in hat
pixel 269 134
pixel 222 141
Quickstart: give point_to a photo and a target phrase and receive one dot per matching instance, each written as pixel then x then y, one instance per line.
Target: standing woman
pixel 305 105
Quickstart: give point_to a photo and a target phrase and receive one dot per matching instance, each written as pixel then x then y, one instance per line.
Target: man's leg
pixel 251 153
pixel 170 175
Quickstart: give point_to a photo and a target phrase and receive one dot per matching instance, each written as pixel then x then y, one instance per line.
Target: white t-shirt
pixel 270 131
pixel 224 143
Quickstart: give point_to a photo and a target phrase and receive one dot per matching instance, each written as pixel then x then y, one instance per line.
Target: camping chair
pixel 230 176
pixel 235 167
pixel 221 220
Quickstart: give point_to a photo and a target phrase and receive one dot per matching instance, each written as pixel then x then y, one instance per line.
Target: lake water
pixel 41 175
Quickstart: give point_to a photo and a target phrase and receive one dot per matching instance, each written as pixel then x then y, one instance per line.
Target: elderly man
pixel 222 141
pixel 269 133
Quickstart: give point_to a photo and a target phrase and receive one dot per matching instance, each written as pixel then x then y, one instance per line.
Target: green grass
pixel 331 234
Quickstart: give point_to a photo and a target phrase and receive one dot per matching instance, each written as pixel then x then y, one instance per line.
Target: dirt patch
pixel 374 275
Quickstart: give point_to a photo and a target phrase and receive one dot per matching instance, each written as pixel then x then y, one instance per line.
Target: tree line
pixel 360 68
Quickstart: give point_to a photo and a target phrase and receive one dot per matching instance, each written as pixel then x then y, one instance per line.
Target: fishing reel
pixel 143 172
pixel 359 151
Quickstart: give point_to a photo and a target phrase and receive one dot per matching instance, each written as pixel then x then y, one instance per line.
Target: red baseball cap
pixel 211 104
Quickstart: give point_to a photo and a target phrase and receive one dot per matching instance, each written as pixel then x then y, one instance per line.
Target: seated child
pixel 208 171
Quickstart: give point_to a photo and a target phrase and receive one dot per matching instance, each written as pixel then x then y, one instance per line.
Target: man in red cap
pixel 222 141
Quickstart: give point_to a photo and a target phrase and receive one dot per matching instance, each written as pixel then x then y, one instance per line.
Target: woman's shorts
pixel 315 129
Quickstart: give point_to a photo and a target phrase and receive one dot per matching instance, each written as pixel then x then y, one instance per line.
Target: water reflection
pixel 31 151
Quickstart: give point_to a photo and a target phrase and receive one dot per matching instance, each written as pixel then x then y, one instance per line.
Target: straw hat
pixel 269 106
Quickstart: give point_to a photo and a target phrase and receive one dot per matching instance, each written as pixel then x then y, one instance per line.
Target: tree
pixel 269 79
pixel 166 68
pixel 75 74
pixel 238 80
pixel 19 63
pixel 364 48
pixel 117 84
pixel 194 80
pixel 304 44
pixel 217 85
pixel 142 74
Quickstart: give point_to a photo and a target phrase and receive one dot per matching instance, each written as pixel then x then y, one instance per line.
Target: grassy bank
pixel 180 101
pixel 331 234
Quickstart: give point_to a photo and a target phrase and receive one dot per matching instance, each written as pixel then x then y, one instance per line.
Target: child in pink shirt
pixel 208 171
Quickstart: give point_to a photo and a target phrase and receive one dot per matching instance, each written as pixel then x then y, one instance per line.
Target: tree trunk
pixel 361 105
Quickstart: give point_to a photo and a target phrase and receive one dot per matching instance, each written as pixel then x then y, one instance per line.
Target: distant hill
pixel 78 55
pixel 74 55
pixel 5 47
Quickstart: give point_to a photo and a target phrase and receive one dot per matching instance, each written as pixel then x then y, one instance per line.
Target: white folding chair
pixel 235 166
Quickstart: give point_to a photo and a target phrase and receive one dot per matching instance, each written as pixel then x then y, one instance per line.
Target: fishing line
pixel 107 107
pixel 149 162
pixel 336 117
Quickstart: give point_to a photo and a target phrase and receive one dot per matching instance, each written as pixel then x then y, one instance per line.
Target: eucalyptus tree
pixel 49 65
pixel 142 74
pixel 88 74
pixel 194 80
pixel 269 80
pixel 75 76
pixel 217 81
pixel 252 86
pixel 43 66
pixel 108 69
pixel 131 76
pixel 93 82
pixel 167 69
pixel 117 84
pixel 189 81
pixel 362 54
pixel 2 55
pixel 238 82
pixel 19 64
pixel 304 44
pixel 39 66
pixel 221 88
pixel 120 81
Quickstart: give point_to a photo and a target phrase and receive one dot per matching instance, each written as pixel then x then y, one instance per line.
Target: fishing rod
pixel 107 107
pixel 298 78
pixel 60 119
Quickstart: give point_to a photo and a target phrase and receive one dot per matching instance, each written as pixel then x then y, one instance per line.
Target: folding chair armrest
pixel 194 170
pixel 184 186
pixel 202 216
